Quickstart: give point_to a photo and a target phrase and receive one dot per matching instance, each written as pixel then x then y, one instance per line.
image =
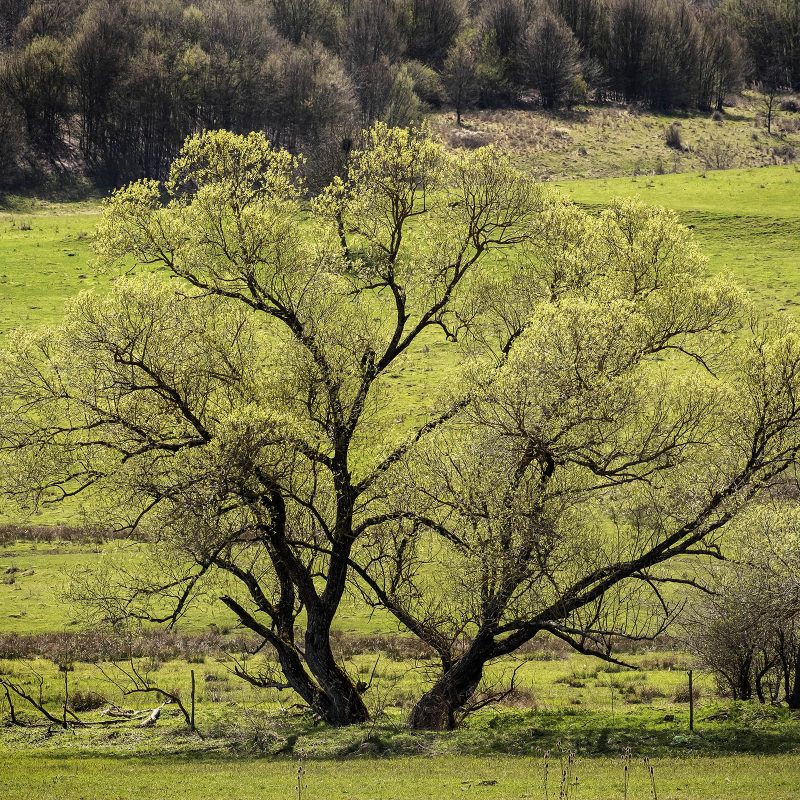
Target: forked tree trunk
pixel 340 702
pixel 335 699
pixel 317 678
pixel 438 709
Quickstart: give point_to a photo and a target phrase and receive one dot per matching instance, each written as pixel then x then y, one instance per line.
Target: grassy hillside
pixel 35 577
pixel 607 141
pixel 747 221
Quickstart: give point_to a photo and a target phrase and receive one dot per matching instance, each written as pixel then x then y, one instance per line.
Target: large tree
pixel 460 72
pixel 246 416
pixel 550 58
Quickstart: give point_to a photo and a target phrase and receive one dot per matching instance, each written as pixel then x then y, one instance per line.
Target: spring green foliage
pixel 234 413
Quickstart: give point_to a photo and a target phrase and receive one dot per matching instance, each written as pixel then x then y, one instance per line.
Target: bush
pixel 252 731
pixel 86 701
pixel 11 146
pixel 648 693
pixel 784 152
pixel 791 105
pixel 428 85
pixel 672 136
pixel 682 694
pixel 578 92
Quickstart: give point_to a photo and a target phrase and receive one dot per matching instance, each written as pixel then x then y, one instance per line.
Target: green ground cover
pixel 45 257
pixel 547 681
pixel 120 776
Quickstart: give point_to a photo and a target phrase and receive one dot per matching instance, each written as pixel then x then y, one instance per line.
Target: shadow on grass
pixel 53 189
pixel 732 729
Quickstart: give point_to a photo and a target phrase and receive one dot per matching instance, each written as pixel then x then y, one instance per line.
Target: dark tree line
pixel 112 87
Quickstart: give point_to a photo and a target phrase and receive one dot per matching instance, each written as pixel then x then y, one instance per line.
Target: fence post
pixel 192 726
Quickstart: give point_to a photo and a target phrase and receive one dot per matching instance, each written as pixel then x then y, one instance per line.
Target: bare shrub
pixel 661 661
pixel 789 125
pixel 681 694
pixel 748 631
pixel 784 152
pixel 466 139
pixel 252 731
pixel 673 137
pixel 109 645
pixel 86 701
pixel 716 154
pixel 396 647
pixel 522 698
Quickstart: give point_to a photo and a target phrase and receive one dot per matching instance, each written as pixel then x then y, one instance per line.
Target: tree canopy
pixel 602 406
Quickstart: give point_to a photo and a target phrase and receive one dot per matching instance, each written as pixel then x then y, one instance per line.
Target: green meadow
pixel 45 257
pixel 124 776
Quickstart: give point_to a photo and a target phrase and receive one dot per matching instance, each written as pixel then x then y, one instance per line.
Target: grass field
pixel 121 777
pixel 747 221
pixel 45 257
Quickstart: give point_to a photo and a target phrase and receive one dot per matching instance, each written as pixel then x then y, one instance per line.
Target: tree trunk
pixel 340 703
pixel 437 709
pixel 327 690
pixel 744 688
pixel 793 696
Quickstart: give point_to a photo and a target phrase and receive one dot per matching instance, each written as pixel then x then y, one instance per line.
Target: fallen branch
pixel 153 718
pixel 20 692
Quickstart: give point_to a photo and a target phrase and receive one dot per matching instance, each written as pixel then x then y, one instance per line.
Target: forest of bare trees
pixel 109 89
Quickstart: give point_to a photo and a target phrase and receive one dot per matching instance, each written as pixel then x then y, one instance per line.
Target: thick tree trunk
pixel 340 702
pixel 334 699
pixel 437 709
pixel 744 689
pixel 319 681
